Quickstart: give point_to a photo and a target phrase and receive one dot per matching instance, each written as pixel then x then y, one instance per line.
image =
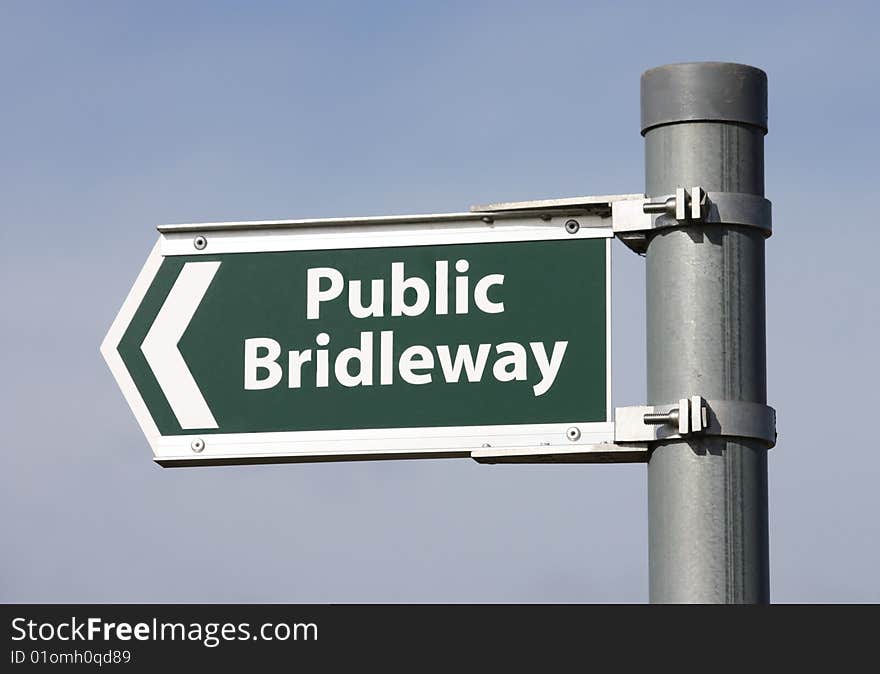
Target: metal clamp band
pixel 632 220
pixel 695 416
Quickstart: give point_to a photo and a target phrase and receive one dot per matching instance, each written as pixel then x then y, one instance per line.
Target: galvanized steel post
pixel 704 124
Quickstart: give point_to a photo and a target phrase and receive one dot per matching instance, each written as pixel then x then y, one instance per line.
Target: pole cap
pixel 704 92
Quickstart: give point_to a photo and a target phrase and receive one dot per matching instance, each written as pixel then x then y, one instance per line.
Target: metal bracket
pixel 695 416
pixel 632 221
pixel 636 427
pixel 606 452
pixel 563 207
pixel 633 216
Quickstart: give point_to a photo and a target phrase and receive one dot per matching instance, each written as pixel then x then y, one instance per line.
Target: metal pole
pixel 704 124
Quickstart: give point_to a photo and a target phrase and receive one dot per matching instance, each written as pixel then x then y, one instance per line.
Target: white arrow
pixel 163 356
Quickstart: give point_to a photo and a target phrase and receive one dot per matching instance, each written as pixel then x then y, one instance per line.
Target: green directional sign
pixel 274 342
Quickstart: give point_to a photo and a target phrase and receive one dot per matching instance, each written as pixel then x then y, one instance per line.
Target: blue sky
pixel 119 116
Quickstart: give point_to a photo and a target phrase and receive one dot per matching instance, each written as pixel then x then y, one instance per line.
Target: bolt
pixel 197 445
pixel 658 419
pixel 665 207
pixel 572 226
pixel 573 433
pixel 200 242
